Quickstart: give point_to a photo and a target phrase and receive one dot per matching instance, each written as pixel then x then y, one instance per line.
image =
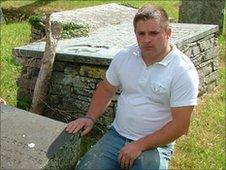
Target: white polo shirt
pixel 148 92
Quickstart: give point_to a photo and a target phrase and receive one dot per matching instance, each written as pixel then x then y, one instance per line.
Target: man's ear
pixel 168 31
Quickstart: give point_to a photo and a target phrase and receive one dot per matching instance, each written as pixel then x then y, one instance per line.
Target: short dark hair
pixel 151 12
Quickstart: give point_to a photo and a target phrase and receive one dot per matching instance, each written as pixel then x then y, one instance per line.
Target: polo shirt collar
pixel 168 58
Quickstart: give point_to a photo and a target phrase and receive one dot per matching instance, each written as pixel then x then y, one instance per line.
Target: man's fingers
pixel 74 126
pixel 86 130
pixel 131 163
pixel 126 163
pixel 78 127
pixel 119 157
pixel 81 124
pixel 70 127
pixel 122 162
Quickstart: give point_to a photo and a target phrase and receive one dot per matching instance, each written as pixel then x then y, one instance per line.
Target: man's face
pixel 152 37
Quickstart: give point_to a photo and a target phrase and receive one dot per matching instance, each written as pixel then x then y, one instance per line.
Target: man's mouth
pixel 148 47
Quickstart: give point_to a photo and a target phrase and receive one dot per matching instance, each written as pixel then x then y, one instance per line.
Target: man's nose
pixel 147 39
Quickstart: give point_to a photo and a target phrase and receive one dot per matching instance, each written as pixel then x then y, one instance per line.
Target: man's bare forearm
pixel 101 99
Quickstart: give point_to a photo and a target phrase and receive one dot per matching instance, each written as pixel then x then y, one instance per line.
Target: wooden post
pixel 202 12
pixel 42 84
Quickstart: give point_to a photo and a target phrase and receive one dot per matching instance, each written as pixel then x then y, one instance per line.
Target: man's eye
pixel 141 33
pixel 154 33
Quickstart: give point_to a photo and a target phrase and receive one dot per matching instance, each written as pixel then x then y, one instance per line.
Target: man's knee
pixel 153 159
pixel 147 160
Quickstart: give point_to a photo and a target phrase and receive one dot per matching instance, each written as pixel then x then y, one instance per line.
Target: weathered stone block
pixel 58 77
pixel 72 69
pixel 59 89
pixel 29 62
pixel 215 65
pixel 31 73
pixel 27 83
pixel 92 71
pixel 81 97
pixel 210 78
pixel 211 86
pixel 84 82
pixel 31 141
pixel 59 66
pixel 196 50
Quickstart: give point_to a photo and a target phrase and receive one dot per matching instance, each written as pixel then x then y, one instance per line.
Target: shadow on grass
pixel 23 13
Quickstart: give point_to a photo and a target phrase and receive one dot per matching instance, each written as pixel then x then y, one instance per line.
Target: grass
pixel 12 35
pixel 202 148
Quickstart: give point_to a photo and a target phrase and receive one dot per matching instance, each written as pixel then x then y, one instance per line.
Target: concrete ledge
pixel 31 141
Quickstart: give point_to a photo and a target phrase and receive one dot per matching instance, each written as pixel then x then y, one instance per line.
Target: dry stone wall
pixel 204 54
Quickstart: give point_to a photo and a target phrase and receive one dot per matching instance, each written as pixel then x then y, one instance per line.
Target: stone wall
pixel 71 88
pixel 204 55
pixel 81 64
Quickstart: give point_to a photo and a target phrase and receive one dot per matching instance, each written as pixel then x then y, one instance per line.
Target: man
pixel 159 90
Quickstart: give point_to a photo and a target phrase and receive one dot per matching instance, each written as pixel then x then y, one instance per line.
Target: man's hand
pixel 81 124
pixel 2 101
pixel 128 154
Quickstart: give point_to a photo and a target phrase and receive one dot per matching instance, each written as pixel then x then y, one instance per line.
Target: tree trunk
pixel 42 83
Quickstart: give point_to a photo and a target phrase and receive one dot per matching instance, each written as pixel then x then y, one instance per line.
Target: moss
pixel 69 30
pixel 36 21
pixel 92 71
pixel 67 155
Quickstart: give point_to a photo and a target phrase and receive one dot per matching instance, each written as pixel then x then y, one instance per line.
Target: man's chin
pixel 148 53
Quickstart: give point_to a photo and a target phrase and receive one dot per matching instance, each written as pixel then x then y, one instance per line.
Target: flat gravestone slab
pixel 100 47
pixel 96 16
pixel 31 141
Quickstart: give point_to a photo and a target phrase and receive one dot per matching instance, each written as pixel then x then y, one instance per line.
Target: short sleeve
pixel 112 73
pixel 184 89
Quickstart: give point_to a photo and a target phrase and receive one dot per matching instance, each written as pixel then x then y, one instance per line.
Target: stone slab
pixel 96 16
pixel 100 47
pixel 31 141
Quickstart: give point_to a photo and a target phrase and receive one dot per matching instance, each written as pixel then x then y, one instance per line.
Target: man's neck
pixel 149 60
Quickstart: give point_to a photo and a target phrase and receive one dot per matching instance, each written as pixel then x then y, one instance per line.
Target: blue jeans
pixel 104 155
